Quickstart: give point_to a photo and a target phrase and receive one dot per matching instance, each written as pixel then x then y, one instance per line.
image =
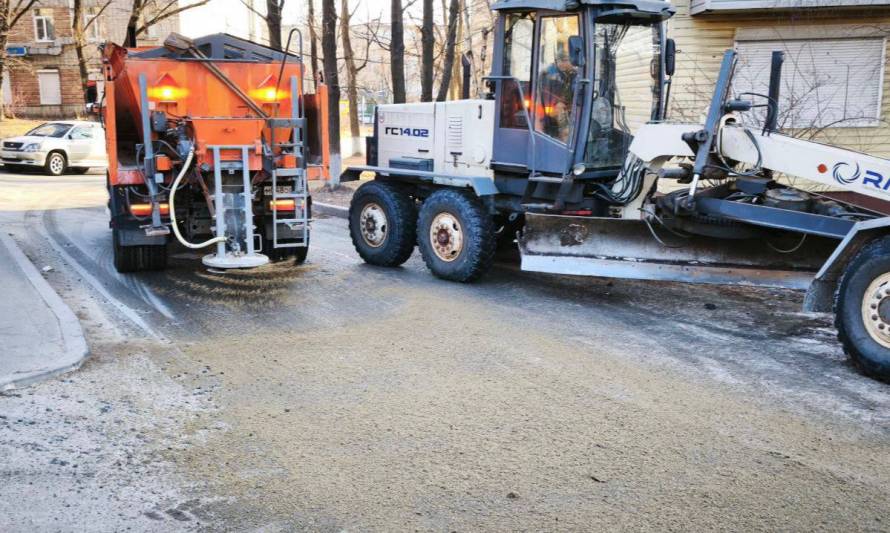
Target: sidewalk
pixel 39 334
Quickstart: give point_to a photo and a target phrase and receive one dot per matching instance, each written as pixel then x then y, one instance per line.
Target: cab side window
pixel 555 91
pixel 519 32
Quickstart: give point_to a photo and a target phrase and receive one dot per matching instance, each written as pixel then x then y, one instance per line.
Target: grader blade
pixel 616 248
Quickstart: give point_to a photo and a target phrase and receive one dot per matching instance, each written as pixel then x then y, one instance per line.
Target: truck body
pixel 224 128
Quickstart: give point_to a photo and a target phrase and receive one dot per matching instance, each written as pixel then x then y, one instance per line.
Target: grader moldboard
pixel 569 149
pixel 213 139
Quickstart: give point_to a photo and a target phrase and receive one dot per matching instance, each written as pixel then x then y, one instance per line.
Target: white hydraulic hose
pixel 185 167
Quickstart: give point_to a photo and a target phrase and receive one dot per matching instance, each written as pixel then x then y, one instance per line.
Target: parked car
pixel 57 147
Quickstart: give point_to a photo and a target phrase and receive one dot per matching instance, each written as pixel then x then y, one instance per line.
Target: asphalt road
pixel 339 396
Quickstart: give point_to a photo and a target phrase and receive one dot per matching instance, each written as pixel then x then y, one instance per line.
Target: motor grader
pixel 570 152
pixel 211 143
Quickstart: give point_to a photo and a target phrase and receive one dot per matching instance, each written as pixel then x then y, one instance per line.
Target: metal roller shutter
pixel 825 82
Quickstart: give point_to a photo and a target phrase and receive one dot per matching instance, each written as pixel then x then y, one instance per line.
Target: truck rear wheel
pixel 862 309
pixel 153 257
pixel 126 258
pixel 456 236
pixel 382 223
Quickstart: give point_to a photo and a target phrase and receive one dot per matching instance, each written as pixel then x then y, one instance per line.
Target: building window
pixel 50 87
pixel 43 25
pixel 150 32
pixel 93 23
pixel 825 82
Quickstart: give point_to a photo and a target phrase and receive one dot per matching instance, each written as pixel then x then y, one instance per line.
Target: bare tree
pixel 397 52
pixel 428 43
pixel 313 40
pixel 79 26
pixel 141 17
pixel 329 50
pixel 451 39
pixel 10 13
pixel 352 70
pixel 272 18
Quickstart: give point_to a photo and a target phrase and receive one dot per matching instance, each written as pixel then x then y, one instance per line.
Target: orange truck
pixel 211 143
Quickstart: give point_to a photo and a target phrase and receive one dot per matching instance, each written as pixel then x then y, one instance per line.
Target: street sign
pixel 16 51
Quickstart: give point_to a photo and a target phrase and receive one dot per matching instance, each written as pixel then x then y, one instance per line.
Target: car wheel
pixel 56 164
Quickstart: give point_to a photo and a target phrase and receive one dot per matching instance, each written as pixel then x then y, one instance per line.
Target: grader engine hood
pixel 453 138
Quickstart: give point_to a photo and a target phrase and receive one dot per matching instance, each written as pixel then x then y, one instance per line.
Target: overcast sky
pixel 231 15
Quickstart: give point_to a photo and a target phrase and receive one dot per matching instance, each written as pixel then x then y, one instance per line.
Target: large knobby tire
pixel 456 236
pixel 862 309
pixel 56 164
pixel 126 258
pixel 382 223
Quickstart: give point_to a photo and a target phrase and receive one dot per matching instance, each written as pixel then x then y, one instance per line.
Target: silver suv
pixel 57 147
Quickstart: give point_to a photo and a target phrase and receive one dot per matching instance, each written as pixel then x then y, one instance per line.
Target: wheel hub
pixel 876 310
pixel 372 222
pixel 55 163
pixel 446 237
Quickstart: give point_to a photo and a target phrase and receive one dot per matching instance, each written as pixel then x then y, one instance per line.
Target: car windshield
pixel 50 129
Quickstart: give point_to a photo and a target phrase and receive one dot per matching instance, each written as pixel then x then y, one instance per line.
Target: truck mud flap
pixel 617 248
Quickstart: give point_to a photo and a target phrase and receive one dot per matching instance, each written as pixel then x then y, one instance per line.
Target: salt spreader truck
pixel 570 151
pixel 210 142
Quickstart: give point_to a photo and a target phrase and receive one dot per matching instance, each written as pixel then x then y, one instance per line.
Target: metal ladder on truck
pixel 300 192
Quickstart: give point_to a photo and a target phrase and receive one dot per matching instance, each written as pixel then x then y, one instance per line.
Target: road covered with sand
pixel 337 396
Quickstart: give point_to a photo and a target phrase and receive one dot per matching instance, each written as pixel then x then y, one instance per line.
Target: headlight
pixel 33 147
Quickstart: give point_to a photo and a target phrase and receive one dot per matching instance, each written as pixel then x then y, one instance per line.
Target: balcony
pixel 704 7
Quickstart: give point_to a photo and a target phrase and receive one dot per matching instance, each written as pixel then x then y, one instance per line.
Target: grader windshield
pixel 626 92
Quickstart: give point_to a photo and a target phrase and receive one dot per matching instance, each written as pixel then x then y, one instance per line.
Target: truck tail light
pixel 268 91
pixel 143 210
pixel 166 90
pixel 287 204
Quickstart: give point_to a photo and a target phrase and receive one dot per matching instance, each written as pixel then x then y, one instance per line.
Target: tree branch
pixel 96 16
pixel 169 14
pixel 20 10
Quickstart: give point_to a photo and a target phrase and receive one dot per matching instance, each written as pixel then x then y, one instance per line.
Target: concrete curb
pixel 75 351
pixel 330 210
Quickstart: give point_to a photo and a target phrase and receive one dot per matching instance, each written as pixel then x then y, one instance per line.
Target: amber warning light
pixel 269 92
pixel 166 90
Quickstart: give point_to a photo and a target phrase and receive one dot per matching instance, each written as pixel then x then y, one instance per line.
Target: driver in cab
pixel 557 84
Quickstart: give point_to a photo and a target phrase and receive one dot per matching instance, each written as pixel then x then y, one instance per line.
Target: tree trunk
pixel 313 42
pixel 329 49
pixel 80 42
pixel 273 23
pixel 4 38
pixel 351 78
pixel 133 23
pixel 427 42
pixel 468 45
pixel 397 53
pixel 448 67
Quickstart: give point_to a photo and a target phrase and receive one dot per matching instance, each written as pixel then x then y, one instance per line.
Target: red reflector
pixel 283 205
pixel 143 210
